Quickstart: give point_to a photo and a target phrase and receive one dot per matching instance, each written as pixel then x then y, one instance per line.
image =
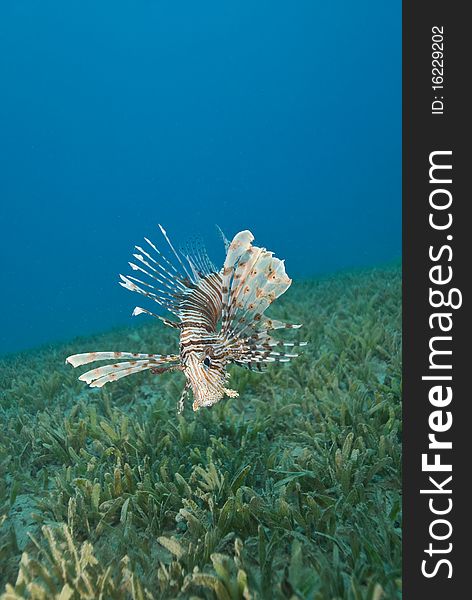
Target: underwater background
pixel 279 117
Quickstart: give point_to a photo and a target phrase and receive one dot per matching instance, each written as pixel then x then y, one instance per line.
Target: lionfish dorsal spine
pixel 164 233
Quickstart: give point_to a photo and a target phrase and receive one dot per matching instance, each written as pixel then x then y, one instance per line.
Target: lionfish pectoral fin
pixel 252 279
pixel 230 393
pixel 135 364
pixel 274 324
pixel 263 349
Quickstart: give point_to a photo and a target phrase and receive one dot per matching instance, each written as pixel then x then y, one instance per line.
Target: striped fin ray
pixel 252 279
pixel 139 311
pixel 77 360
pixel 164 260
pixel 173 278
pixel 172 285
pixel 260 286
pixel 223 237
pixel 122 369
pixel 131 283
pixel 261 347
pixel 270 324
pixel 201 306
pixel 237 248
pixel 139 362
pixel 240 289
pixel 162 280
pixel 198 259
pixel 164 233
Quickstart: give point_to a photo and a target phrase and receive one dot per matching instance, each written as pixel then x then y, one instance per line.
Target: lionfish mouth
pixel 209 395
pixel 200 401
pixel 206 395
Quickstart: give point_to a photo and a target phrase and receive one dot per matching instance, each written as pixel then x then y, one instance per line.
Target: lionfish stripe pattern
pixel 220 316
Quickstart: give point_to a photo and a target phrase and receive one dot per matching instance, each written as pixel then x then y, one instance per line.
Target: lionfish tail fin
pixel 134 363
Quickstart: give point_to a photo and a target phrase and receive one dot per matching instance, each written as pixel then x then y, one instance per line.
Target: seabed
pixel 291 490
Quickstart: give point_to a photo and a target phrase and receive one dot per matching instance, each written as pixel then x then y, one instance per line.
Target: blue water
pixel 280 117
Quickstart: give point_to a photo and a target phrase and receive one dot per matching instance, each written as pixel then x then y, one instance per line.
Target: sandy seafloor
pixel 291 490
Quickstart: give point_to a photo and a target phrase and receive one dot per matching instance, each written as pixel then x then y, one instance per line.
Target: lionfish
pixel 220 316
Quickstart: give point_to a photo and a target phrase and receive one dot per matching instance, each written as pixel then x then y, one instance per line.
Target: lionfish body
pixel 220 316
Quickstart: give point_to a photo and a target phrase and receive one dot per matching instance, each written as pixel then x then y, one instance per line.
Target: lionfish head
pixel 206 374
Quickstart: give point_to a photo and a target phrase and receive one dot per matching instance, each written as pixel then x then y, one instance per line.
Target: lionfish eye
pixel 206 362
